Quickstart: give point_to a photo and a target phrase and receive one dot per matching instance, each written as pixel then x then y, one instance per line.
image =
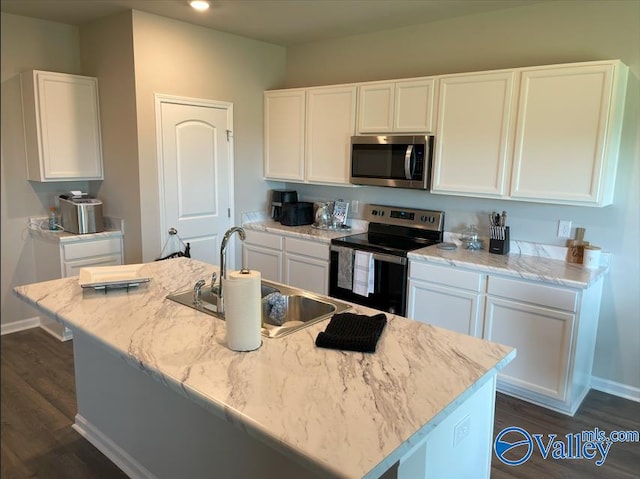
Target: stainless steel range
pixel 371 268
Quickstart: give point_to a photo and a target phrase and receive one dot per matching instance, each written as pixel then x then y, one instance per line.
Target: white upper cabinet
pixel 308 134
pixel 61 126
pixel 548 134
pixel 284 132
pixel 472 154
pixel 331 120
pixel 568 133
pixel 404 106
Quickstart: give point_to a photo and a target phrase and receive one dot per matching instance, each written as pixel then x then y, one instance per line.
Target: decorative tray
pixel 104 277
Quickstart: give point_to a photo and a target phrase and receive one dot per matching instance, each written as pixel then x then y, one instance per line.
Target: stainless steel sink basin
pixel 301 308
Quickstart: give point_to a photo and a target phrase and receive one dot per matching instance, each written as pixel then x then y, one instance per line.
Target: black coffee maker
pixel 279 198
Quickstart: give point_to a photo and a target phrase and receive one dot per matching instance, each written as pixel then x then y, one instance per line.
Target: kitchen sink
pixel 300 308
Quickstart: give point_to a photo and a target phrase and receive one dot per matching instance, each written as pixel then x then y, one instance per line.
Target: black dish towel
pixel 353 332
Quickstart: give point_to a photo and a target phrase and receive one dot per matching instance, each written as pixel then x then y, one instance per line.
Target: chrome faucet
pixel 223 265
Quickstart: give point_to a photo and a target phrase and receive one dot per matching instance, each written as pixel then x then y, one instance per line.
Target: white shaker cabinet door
pixel 331 121
pixel 61 126
pixel 284 132
pixel 472 154
pixel 568 132
pixel 405 106
pixel 310 274
pixel 449 308
pixel 265 260
pixel 375 107
pixel 542 337
pixel 413 110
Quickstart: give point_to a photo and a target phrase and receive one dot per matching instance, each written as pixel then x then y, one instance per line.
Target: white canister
pixel 591 257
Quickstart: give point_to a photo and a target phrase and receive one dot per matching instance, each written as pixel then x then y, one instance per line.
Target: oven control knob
pixel 431 219
pixel 381 213
pixel 374 212
pixel 424 218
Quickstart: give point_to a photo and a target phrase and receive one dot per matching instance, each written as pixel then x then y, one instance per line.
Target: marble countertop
pixel 341 413
pixel 65 237
pixel 307 232
pixel 113 228
pixel 518 265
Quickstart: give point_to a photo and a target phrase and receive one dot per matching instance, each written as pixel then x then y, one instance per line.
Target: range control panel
pixel 393 215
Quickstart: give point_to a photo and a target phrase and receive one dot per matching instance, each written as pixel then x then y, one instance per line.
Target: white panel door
pixel 197 175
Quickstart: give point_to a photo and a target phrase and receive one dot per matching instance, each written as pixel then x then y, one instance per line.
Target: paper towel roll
pixel 243 310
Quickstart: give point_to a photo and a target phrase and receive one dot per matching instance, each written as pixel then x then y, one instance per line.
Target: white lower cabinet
pixel 446 297
pixel 263 252
pixel 552 327
pixel 56 259
pixel 293 261
pixel 306 265
pixel 542 337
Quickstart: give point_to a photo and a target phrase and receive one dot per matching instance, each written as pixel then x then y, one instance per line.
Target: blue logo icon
pixel 519 444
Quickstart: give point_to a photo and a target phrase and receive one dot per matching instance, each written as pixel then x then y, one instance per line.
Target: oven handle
pixel 385 258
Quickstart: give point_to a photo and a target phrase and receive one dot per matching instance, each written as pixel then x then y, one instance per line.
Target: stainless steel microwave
pixel 393 160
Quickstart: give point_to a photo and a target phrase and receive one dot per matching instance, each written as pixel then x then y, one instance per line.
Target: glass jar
pixel 470 238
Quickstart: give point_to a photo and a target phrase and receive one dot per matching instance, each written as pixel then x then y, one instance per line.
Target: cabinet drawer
pixel 550 296
pixel 86 249
pixel 446 276
pixel 266 240
pixel 307 248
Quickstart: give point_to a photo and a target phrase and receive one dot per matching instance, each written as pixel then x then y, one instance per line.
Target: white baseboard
pixel 22 325
pixel 57 330
pixel 616 389
pixel 61 333
pixel 106 446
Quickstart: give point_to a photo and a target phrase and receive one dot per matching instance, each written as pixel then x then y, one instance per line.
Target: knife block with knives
pixel 498 234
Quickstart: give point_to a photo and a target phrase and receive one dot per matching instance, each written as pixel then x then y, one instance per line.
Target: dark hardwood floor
pixel 38 408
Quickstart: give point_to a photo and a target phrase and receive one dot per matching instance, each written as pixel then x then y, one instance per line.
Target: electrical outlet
pixel 564 229
pixel 461 430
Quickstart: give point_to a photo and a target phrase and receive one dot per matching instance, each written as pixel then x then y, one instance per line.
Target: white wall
pixel 177 58
pixel 555 32
pixel 106 49
pixel 26 44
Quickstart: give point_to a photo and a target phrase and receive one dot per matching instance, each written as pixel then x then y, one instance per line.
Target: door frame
pixel 159 99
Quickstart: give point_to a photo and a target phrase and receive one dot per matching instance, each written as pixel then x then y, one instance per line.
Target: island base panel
pixel 150 431
pixel 460 446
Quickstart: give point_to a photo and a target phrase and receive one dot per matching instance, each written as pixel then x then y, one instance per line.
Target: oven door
pixel 390 286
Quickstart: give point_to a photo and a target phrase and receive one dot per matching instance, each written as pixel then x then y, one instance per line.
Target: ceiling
pixel 282 22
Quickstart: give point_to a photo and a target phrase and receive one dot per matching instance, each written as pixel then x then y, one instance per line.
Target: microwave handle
pixel 408 170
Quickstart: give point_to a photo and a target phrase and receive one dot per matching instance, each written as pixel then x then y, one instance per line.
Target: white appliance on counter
pixel 81 214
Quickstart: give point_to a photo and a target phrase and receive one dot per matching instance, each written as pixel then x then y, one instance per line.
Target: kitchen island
pixel 161 395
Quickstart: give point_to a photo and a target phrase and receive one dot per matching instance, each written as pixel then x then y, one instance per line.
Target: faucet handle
pixel 197 291
pixel 214 276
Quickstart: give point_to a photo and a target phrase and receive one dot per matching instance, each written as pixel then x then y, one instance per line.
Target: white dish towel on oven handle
pixel 363 273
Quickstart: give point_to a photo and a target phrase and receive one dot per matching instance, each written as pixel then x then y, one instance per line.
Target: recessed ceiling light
pixel 200 5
